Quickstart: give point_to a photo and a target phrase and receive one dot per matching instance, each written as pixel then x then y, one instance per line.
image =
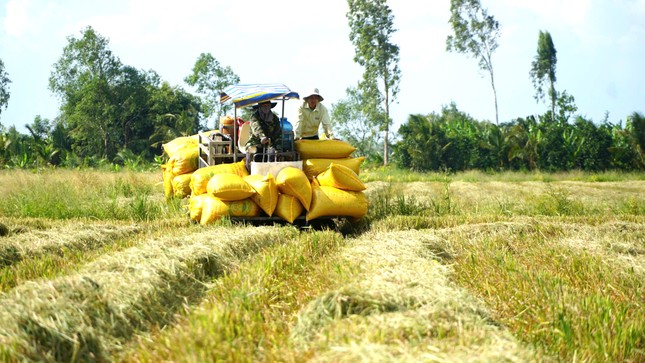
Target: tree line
pixel 111 112
pixel 114 113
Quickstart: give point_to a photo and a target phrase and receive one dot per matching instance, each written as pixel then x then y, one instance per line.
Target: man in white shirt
pixel 311 114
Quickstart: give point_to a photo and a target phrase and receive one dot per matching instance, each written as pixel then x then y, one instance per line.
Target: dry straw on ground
pixel 24 242
pixel 402 307
pixel 89 314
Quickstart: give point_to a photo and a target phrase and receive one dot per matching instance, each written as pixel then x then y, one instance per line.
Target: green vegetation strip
pixel 89 315
pixel 573 290
pixel 69 194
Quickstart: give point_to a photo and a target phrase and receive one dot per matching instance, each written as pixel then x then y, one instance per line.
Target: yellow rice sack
pixel 266 192
pixel 329 202
pixel 229 187
pixel 313 167
pixel 195 206
pixel 341 177
pixel 214 208
pixel 243 208
pixel 167 182
pixel 181 185
pixel 333 149
pixel 288 208
pixel 171 147
pixel 294 182
pixel 199 179
pixel 185 160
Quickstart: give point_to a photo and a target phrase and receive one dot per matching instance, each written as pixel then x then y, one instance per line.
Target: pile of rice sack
pixel 326 186
pixel 183 154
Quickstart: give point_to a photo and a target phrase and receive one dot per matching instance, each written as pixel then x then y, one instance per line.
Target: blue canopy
pixel 247 94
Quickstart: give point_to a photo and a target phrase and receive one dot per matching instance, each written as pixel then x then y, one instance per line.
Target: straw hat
pixel 314 93
pixel 255 107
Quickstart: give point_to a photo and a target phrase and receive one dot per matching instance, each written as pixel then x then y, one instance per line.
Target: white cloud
pixel 18 20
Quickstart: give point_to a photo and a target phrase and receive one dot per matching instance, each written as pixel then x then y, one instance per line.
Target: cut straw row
pixel 402 307
pixel 88 315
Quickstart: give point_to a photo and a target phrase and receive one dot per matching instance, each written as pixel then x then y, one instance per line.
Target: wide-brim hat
pixel 315 92
pixel 256 106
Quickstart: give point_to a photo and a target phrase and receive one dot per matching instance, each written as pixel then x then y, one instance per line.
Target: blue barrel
pixel 286 125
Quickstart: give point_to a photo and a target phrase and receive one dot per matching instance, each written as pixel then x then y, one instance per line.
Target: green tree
pixel 104 104
pixel 210 78
pixel 4 87
pixel 357 127
pixel 476 34
pixel 175 112
pixel 543 69
pixel 82 78
pixel 371 26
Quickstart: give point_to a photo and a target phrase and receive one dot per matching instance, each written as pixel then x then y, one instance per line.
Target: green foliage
pixel 454 141
pixel 211 78
pixel 371 26
pixel 108 106
pixel 175 113
pixel 4 87
pixel 475 34
pixel 439 142
pixel 356 127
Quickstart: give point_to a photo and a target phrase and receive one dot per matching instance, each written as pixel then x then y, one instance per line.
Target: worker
pixel 310 115
pixel 265 131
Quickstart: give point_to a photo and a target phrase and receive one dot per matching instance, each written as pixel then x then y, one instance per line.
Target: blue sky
pixel 305 44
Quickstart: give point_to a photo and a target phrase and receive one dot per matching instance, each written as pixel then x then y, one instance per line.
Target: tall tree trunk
pixel 387 125
pixel 552 92
pixel 492 82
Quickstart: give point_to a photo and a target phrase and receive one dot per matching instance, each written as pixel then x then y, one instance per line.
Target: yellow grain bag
pixel 214 208
pixel 195 206
pixel 199 179
pixel 185 160
pixel 333 149
pixel 167 181
pixel 329 202
pixel 294 182
pixel 341 177
pixel 243 208
pixel 289 207
pixel 229 187
pixel 181 185
pixel 313 167
pixel 266 192
pixel 178 143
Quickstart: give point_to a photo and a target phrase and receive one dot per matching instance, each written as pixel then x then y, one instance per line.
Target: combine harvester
pixel 318 175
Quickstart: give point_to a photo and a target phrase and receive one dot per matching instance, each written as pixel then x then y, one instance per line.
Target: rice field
pixel 518 267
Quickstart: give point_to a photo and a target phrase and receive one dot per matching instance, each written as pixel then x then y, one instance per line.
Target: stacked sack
pixel 228 190
pixel 183 159
pixel 224 190
pixel 336 189
pixel 317 155
pixel 183 154
pixel 328 184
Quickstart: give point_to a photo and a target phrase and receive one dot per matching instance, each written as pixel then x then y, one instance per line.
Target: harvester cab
pixel 229 145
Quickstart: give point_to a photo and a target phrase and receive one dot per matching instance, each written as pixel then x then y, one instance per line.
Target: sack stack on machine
pixel 326 186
